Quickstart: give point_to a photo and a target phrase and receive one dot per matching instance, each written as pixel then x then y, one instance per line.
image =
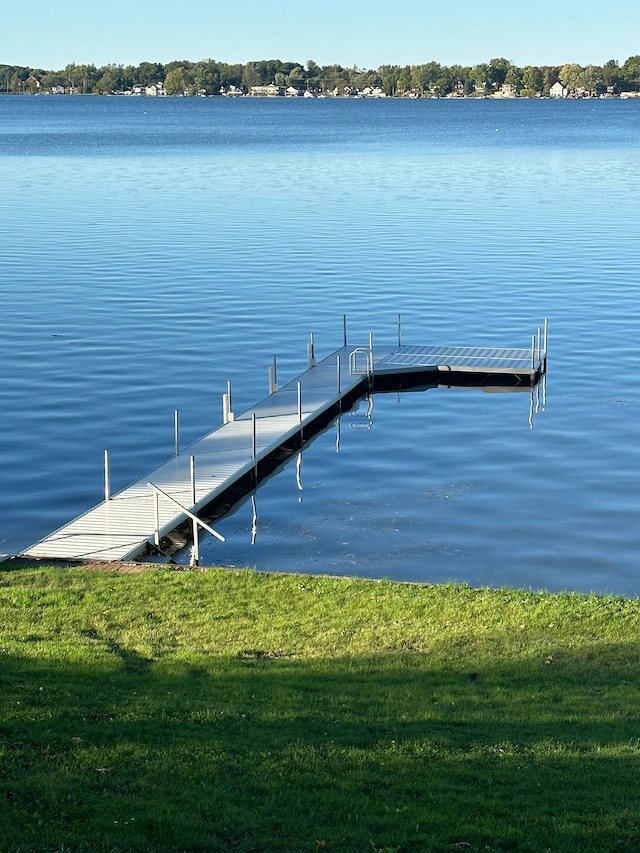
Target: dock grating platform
pixel 480 359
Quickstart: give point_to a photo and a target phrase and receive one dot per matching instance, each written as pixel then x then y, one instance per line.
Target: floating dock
pixel 231 460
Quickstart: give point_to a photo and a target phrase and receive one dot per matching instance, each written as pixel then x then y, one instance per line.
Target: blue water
pixel 151 250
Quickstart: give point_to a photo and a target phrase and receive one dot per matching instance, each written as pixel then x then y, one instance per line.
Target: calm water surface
pixel 151 250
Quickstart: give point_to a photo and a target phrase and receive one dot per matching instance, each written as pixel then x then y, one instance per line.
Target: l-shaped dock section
pixel 233 458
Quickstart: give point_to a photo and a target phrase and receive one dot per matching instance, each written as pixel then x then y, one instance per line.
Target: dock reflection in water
pixel 361 417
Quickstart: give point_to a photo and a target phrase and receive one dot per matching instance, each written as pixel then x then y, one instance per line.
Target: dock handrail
pixel 355 368
pixel 157 491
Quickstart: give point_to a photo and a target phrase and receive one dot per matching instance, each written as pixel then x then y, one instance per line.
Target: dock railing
pixel 197 522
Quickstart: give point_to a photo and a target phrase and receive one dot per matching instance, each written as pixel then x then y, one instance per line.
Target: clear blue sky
pixel 365 34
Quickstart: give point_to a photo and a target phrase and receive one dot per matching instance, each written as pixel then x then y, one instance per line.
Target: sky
pixel 359 33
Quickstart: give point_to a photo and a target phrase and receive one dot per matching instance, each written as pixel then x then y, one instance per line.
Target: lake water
pixel 152 249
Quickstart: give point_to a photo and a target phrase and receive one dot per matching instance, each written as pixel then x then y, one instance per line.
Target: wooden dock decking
pixel 132 522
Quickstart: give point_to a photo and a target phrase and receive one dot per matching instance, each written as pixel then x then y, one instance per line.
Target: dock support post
pixel 399 330
pixel 107 477
pixel 299 402
pixel 176 431
pixel 254 436
pixel 195 554
pixel 370 370
pixel 311 353
pixel 227 406
pixel 338 376
pixel 539 344
pixel 344 328
pixel 273 377
pixel 546 329
pixel 156 519
pixel 254 447
pixel 533 351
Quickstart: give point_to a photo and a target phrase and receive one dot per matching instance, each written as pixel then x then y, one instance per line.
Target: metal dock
pixel 232 459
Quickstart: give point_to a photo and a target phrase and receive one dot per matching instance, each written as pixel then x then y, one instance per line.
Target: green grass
pixel 235 711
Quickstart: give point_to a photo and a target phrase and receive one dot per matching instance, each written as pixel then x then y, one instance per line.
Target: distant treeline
pixel 209 77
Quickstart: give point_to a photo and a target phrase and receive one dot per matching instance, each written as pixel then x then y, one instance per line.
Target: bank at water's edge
pixel 235 710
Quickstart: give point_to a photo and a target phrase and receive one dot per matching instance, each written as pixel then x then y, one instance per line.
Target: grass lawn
pixel 237 711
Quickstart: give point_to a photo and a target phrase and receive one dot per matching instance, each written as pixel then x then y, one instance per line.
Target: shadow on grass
pixel 262 752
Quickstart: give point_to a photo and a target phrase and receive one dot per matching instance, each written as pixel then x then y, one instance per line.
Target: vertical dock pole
pixel 399 330
pixel 254 447
pixel 344 328
pixel 195 555
pixel 533 351
pixel 370 371
pixel 254 442
pixel 192 472
pixel 176 431
pixel 227 406
pixel 339 389
pixel 311 353
pixel 107 477
pixel 273 376
pixel 156 519
pixel 546 329
pixel 299 402
pixel 539 344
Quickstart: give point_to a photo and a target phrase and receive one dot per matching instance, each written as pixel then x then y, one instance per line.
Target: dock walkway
pixel 129 524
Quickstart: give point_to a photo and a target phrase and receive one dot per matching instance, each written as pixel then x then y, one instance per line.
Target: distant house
pixel 292 92
pixel 508 90
pixel 270 91
pixel 155 90
pixel 558 90
pixel 231 91
pixel 57 90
